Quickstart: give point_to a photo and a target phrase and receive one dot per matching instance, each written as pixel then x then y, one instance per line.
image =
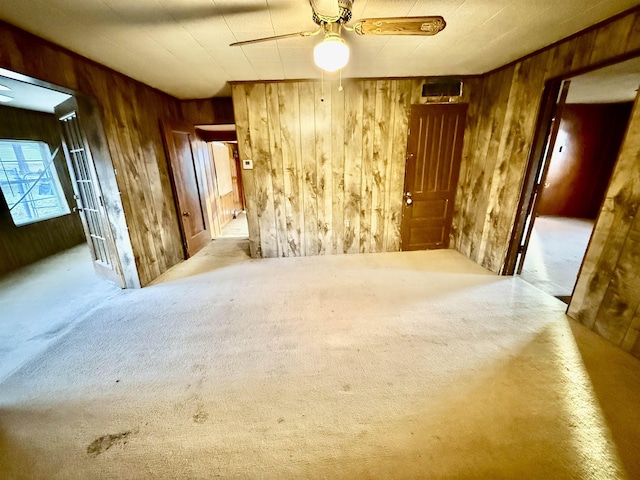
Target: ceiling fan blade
pixel 400 26
pixel 276 37
pixel 326 8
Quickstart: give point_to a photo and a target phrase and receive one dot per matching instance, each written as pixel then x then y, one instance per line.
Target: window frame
pixel 49 164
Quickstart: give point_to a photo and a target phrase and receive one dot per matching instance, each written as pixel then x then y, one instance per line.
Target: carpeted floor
pixel 555 253
pixel 407 365
pixel 42 301
pixel 237 227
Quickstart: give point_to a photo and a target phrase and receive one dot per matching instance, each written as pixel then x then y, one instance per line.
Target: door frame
pixel 225 133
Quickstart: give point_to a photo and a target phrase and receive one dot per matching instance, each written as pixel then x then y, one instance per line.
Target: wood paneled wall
pixel 328 173
pixel 131 113
pixel 20 246
pixel 226 209
pixel 499 146
pixel 607 295
pixel 210 111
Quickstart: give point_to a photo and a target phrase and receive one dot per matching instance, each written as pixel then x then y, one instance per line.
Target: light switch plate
pixel 247 164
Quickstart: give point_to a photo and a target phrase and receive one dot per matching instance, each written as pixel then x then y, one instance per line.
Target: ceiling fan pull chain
pixel 322 83
pixel 340 86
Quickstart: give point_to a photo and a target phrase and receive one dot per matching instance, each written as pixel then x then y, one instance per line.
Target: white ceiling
pixel 612 84
pixel 181 46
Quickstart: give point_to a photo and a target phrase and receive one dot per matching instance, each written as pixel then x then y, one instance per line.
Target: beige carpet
pixel 555 253
pixel 237 227
pixel 42 301
pixel 408 365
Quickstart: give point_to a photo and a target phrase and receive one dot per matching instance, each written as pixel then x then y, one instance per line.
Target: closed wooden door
pixel 188 186
pixel 434 153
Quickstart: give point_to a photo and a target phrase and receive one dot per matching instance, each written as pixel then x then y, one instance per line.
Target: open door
pixel 434 153
pixel 88 195
pixel 188 186
pixel 554 98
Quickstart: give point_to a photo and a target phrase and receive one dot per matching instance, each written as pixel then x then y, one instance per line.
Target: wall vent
pixel 442 87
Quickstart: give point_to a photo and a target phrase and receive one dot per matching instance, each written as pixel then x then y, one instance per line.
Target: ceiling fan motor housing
pixel 344 15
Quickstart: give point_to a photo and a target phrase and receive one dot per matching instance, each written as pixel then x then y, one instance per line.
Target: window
pixel 29 182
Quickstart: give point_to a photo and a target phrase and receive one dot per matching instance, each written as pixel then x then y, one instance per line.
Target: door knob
pixel 407 198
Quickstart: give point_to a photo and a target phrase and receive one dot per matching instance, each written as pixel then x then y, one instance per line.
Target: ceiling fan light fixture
pixel 332 53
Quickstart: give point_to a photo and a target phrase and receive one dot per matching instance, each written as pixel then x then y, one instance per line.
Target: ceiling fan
pixel 332 16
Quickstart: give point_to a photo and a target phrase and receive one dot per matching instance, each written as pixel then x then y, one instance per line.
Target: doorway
pixel 216 182
pixel 579 141
pixel 52 270
pixel 205 170
pixel 206 178
pixel 434 153
pixel 227 182
pixel 224 179
pixel 57 122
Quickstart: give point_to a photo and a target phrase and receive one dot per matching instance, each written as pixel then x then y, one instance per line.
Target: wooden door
pixel 434 152
pixel 90 203
pixel 188 186
pixel 542 170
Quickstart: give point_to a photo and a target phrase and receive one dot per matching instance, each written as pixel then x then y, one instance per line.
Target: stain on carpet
pixel 105 442
pixel 200 417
